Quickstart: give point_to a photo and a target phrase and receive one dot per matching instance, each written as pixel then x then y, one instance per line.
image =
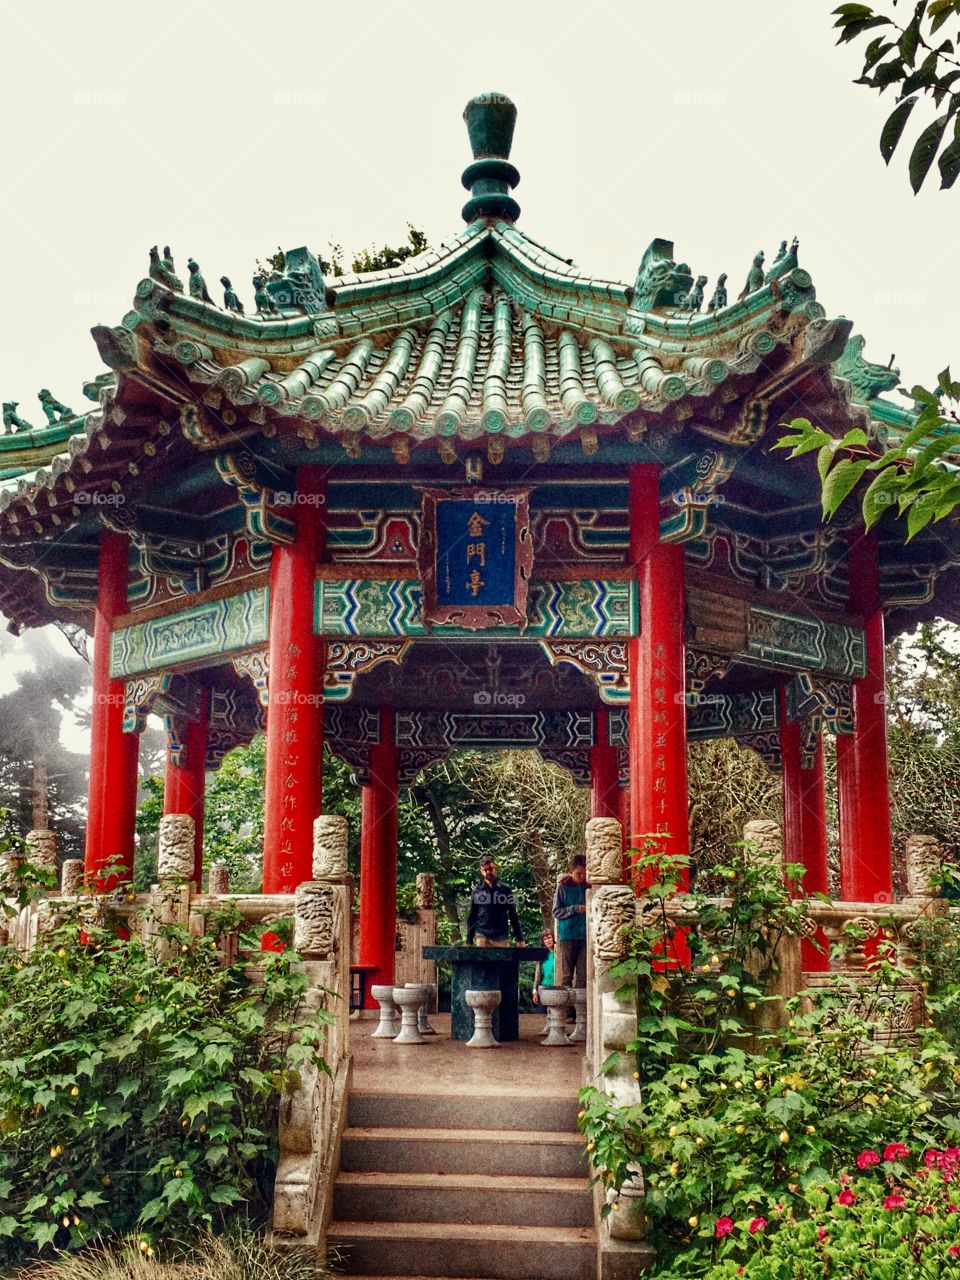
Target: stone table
pixel 486 969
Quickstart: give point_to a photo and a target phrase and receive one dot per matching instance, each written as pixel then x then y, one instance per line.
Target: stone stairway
pixel 486 1186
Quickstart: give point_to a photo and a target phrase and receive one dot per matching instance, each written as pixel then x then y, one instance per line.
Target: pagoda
pixel 482 499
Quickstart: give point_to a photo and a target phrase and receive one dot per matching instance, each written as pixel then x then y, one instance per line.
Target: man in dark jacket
pixel 492 908
pixel 570 913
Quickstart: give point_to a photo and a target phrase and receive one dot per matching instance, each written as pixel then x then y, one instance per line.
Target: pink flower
pixel 866 1158
pixel 895 1151
pixel 758 1224
pixel 846 1197
pixel 821 1233
pixel 954 1251
pixel 932 1158
pixel 952 1208
pixel 893 1201
pixel 723 1227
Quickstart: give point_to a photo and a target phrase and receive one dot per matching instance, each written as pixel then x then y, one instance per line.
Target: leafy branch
pixel 917 476
pixel 923 69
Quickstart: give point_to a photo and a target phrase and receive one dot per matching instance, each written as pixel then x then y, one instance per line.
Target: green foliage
pixel 748 1102
pixel 140 1094
pixel 897 1218
pixel 374 258
pixel 921 63
pixel 918 476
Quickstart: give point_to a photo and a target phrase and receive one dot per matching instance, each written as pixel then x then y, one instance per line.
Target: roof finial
pixel 490 119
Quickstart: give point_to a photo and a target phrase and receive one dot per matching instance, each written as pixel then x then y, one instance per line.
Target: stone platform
pixel 448 1068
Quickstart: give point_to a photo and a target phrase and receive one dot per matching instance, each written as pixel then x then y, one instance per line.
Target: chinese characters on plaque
pixel 660 693
pixel 475 557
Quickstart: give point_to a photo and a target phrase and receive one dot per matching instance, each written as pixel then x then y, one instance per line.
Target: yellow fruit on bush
pixel 699 1141
pixel 75 1092
pixel 738 1084
pixel 178 1173
pixel 693 1220
pixel 741 1128
pixel 784 1136
pixel 675 1168
pixel 62 953
pixel 811 1129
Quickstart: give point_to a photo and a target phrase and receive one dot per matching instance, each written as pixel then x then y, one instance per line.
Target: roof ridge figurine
pixel 661 282
pixel 694 299
pixel 161 272
pixel 12 422
pixel 197 284
pixel 719 298
pixel 785 260
pixel 754 277
pixel 53 408
pixel 230 300
pixel 264 303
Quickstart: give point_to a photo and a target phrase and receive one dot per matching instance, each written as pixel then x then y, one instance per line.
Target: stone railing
pixel 313 1117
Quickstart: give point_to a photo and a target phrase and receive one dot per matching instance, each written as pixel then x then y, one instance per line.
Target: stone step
pixel 458 1249
pixel 523 1152
pixel 555 1113
pixel 460 1197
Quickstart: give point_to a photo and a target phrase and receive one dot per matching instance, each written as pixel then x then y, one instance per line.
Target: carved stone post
pixel 218 878
pixel 766 835
pixel 604 851
pixel 42 849
pixel 330 841
pixel 787 978
pixel 425 891
pixel 175 856
pixel 71 877
pixel 922 855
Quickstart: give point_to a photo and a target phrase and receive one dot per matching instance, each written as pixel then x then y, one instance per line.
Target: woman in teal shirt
pixel 544 972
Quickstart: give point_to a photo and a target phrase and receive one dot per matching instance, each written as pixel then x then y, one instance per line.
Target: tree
pixel 921 62
pixel 41 782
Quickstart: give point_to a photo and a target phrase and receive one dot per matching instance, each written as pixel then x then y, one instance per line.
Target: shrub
pixel 897 1218
pixel 138 1093
pixel 241 1255
pixel 733 1117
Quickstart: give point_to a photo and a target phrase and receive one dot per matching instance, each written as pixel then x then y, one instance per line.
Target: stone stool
pixel 409 1000
pixel 387 1027
pixel 483 1004
pixel 555 1000
pixel 578 998
pixel 428 988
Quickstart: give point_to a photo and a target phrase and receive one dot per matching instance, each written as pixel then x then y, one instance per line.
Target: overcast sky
pixel 227 129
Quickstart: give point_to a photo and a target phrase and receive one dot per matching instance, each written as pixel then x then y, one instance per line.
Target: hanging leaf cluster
pixel 919 476
pixel 919 60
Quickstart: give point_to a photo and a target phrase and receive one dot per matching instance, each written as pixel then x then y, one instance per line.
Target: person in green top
pixel 544 972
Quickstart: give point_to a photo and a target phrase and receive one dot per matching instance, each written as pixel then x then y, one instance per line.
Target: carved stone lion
pixel 42 849
pixel 613 908
pixel 425 888
pixel 175 857
pixel 922 855
pixel 316 925
pixel 330 836
pixel 604 851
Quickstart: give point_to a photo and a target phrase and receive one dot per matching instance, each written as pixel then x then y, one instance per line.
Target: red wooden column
pixel 378 862
pixel 293 781
pixel 658 724
pixel 604 780
pixel 863 790
pixel 184 784
pixel 805 823
pixel 112 795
